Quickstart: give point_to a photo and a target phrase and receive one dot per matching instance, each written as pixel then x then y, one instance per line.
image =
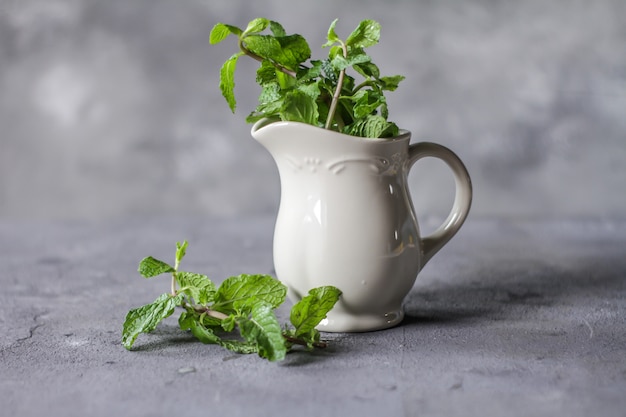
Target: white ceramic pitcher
pixel 346 219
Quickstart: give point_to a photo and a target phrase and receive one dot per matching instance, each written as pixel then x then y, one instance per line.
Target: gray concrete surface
pixel 112 108
pixel 512 318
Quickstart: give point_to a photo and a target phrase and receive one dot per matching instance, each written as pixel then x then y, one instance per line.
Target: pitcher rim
pixel 402 135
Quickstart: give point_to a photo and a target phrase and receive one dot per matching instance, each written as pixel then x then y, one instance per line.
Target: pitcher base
pixel 342 322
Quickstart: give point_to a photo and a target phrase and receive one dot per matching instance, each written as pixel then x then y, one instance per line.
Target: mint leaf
pixel 373 126
pixel 255 26
pixel 205 335
pixel 311 74
pixel 366 102
pixel 391 83
pixel 267 110
pixel 295 50
pixel 265 46
pixel 286 82
pixel 331 36
pixel 238 346
pixel 299 106
pixel 366 34
pixel 150 267
pixel 266 73
pixel 307 313
pixel 263 330
pixel 277 29
pixel 229 323
pixel 367 69
pixel 242 289
pixel 340 63
pixel 145 319
pixel 227 80
pixel 270 93
pixel 197 286
pixel 181 250
pixel 312 90
pixel 286 51
pixel 221 31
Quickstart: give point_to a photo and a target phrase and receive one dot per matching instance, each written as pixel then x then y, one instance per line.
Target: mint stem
pixel 212 313
pixel 301 342
pixel 173 285
pixel 333 104
pixel 366 83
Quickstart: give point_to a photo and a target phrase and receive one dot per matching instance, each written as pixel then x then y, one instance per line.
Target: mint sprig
pixel 238 315
pixel 295 87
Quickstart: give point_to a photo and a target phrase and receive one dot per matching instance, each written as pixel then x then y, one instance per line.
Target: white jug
pixel 346 219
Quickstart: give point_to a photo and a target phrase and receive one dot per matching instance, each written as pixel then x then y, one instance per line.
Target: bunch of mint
pixel 317 92
pixel 244 302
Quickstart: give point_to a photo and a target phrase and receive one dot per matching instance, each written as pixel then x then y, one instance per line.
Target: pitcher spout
pixel 258 126
pixel 276 135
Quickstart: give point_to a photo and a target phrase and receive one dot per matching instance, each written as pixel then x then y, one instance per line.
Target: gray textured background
pixel 111 108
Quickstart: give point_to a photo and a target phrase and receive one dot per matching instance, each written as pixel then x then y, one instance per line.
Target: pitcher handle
pixel 432 243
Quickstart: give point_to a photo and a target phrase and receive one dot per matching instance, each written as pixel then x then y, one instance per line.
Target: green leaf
pixel 312 73
pixel 263 330
pixel 391 83
pixel 277 29
pixel 270 92
pixel 366 34
pixel 307 313
pixel 335 51
pixel 312 90
pixel 310 338
pixel 286 51
pixel 295 50
pixel 340 63
pixel 185 319
pixel 299 106
pixel 181 250
pixel 391 130
pixel 367 69
pixel 221 31
pixel 266 110
pixel 255 26
pixel 145 319
pixel 207 335
pixel 373 126
pixel 366 102
pixel 266 73
pixel 384 111
pixel 332 37
pixel 150 267
pixel 243 289
pixel 238 346
pixel 188 321
pixel 255 117
pixel 330 74
pixel 229 323
pixel 285 81
pixel 227 80
pixel 265 46
pixel 197 286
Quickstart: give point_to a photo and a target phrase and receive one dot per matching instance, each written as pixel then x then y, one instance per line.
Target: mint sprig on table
pixel 238 315
pixel 317 92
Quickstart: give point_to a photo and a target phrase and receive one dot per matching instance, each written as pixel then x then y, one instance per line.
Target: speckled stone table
pixel 512 318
